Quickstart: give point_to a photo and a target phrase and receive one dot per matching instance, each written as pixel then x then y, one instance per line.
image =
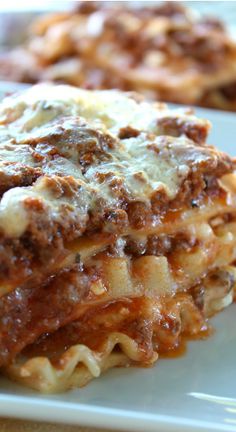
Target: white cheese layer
pixel 141 164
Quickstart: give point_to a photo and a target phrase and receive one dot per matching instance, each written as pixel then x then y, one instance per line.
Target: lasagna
pixel 166 52
pixel 117 233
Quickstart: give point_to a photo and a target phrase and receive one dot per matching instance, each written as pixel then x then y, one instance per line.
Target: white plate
pixel 195 392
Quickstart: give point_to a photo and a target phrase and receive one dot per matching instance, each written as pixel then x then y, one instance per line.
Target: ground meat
pixel 135 247
pixel 229 91
pixel 212 23
pixel 14 174
pixel 139 214
pixel 160 202
pixel 165 244
pixel 128 132
pixel 25 314
pixel 132 317
pixel 86 8
pixel 158 245
pixel 193 129
pixel 199 46
pixel 197 292
pixel 72 138
pixel 215 286
pixel 29 258
pixel 193 187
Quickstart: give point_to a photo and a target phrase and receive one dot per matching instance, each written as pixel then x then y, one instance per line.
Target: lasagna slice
pixel 117 233
pixel 165 51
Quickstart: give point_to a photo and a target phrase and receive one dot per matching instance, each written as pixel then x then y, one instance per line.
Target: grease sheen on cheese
pixel 32 115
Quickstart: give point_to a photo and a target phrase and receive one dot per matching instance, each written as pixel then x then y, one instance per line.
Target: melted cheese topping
pixel 113 108
pixel 108 109
pixel 67 131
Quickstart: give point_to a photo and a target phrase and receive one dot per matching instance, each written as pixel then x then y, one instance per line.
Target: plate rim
pixel 28 408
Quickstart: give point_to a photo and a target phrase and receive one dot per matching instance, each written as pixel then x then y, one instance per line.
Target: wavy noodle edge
pixel 77 366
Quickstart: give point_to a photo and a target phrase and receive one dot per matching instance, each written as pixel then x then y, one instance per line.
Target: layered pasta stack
pixel 117 233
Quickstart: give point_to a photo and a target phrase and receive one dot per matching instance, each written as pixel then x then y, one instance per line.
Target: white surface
pixel 195 392
pixel 31 6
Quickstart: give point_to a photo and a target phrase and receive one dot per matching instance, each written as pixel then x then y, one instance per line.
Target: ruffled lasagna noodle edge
pixel 77 366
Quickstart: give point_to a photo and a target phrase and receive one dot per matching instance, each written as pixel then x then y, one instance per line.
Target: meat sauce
pixel 182 346
pixel 130 316
pixel 24 260
pixel 27 313
pixel 152 325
